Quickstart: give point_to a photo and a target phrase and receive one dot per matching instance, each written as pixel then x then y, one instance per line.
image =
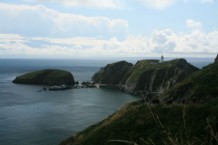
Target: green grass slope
pixel 46 77
pixel 201 85
pixel 157 125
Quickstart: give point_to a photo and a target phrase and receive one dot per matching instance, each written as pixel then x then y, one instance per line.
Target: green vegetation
pixel 46 77
pixel 158 77
pixel 153 65
pixel 144 75
pixel 157 125
pixel 201 85
pixel 138 123
pixel 112 73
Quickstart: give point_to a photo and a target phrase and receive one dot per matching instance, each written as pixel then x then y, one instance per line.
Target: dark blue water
pixel 28 117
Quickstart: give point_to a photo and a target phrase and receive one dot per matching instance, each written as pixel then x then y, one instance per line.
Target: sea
pixel 29 117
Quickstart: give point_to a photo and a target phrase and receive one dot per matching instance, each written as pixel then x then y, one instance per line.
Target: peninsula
pixel 190 118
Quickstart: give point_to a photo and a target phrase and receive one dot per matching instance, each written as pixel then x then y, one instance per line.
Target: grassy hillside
pixel 140 124
pixel 156 125
pixel 201 85
pixel 154 76
pixel 150 65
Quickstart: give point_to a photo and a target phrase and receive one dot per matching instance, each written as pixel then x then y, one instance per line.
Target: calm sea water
pixel 28 117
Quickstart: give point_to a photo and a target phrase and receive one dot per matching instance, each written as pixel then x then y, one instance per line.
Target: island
pixel 48 77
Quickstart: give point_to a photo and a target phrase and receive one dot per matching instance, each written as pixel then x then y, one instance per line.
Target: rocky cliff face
pixel 150 75
pixel 200 86
pixel 145 75
pixel 46 77
pixel 112 74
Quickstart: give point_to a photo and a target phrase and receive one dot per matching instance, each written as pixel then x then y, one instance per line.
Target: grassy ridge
pixel 202 85
pixel 148 65
pixel 136 122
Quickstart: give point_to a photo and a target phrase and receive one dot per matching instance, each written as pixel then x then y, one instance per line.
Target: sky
pixel 108 28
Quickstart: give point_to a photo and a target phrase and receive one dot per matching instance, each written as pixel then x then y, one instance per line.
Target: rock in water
pixel 48 77
pixel 112 74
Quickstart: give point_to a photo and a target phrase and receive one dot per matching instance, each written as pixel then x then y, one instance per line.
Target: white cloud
pixel 158 4
pixel 112 4
pixel 200 1
pixel 94 3
pixel 42 21
pixel 193 24
pixel 167 42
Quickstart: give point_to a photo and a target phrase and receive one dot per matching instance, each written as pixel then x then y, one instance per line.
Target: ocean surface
pixel 29 117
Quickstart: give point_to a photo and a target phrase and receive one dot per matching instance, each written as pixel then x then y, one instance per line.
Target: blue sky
pixel 108 28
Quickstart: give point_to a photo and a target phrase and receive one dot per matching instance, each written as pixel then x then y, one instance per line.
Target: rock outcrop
pixel 145 75
pixel 48 77
pixel 150 75
pixel 112 74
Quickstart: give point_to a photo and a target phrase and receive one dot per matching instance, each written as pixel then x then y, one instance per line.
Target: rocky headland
pixel 145 75
pixel 112 74
pixel 192 120
pixel 49 77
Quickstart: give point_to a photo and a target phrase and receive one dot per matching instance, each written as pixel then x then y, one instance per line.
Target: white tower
pixel 161 58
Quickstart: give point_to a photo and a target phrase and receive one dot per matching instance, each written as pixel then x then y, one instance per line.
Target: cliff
pixel 144 75
pixel 200 86
pixel 139 123
pixel 135 123
pixel 156 77
pixel 46 77
pixel 112 74
pixel 216 59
